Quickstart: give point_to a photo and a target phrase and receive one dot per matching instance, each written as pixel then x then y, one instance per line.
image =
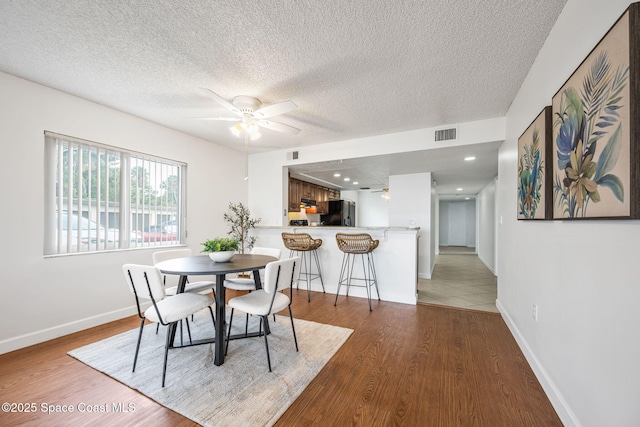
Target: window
pixel 95 194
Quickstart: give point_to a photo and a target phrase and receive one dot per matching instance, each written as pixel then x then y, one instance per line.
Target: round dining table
pixel 203 265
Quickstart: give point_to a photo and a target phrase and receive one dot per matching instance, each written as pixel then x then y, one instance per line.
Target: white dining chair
pixel 279 275
pixel 199 286
pixel 249 283
pixel 172 280
pixel 145 283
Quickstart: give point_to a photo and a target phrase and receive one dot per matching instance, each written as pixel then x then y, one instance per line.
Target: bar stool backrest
pixel 360 243
pixel 300 242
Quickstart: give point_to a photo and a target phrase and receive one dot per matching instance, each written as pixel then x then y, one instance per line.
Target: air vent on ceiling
pixel 447 134
pixel 292 155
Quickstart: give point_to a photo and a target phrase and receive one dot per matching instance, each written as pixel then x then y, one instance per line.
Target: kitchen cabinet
pixel 295 192
pixel 305 190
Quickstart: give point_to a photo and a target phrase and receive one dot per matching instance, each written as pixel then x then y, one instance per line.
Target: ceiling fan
pixel 251 114
pixel 384 191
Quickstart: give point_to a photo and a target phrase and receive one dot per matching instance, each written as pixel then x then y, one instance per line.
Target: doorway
pixel 457 221
pixel 460 279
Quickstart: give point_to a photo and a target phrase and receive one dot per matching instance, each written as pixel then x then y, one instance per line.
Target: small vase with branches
pixel 239 217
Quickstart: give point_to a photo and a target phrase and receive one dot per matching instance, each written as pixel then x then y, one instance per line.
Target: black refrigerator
pixel 341 212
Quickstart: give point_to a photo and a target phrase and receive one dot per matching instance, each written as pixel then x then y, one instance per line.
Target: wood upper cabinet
pixel 295 189
pixel 305 190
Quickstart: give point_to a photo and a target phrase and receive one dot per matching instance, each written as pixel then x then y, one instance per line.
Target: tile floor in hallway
pixel 461 280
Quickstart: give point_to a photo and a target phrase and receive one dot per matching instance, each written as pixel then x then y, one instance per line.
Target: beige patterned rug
pixel 240 392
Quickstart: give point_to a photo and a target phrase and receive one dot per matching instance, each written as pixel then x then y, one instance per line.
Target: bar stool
pixel 303 245
pixel 357 244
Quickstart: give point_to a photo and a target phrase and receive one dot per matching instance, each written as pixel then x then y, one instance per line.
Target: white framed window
pixel 95 194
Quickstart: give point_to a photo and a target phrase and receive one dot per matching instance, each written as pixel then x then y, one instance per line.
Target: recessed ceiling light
pixel 458 189
pixel 469 158
pixel 347 179
pixel 467 198
pixel 355 182
pixel 336 175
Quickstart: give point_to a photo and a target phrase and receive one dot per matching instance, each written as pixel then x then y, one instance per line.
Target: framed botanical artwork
pixel 534 169
pixel 596 129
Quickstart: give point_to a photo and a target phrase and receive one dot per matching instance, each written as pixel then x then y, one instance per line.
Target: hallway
pixel 461 280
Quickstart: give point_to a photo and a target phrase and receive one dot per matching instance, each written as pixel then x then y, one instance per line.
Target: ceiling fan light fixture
pixel 236 129
pixel 252 128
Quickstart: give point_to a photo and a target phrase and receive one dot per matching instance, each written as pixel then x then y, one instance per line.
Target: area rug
pixel 242 391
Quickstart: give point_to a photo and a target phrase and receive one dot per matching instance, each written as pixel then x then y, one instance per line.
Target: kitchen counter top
pixel 337 227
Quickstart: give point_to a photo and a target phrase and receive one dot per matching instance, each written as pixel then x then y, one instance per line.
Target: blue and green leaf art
pixel 588 138
pixel 531 177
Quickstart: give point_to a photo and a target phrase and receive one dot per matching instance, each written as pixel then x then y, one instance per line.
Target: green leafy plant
pixel 241 222
pixel 220 244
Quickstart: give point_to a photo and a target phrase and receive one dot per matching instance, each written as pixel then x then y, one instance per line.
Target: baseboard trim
pixel 26 340
pixel 486 264
pixel 567 416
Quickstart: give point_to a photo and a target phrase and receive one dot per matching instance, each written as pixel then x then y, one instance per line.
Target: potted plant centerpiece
pixel 220 249
pixel 239 217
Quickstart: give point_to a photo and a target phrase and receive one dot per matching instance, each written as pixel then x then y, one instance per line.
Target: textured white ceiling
pixel 354 68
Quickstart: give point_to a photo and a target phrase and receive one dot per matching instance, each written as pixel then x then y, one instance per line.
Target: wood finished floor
pixel 403 365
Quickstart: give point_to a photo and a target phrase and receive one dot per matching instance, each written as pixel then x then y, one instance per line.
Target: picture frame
pixel 535 169
pixel 596 129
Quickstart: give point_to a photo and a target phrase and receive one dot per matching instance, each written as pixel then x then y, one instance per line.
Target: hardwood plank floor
pixel 403 365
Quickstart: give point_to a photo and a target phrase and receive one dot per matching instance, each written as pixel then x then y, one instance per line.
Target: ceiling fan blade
pixel 279 127
pixel 220 100
pixel 225 119
pixel 275 109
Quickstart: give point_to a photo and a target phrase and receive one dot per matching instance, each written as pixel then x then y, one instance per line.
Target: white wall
pixel 410 206
pixel 43 298
pixel 582 275
pixel 372 210
pixel 486 208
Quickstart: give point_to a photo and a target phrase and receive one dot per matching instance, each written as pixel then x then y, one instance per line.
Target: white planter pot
pixel 222 256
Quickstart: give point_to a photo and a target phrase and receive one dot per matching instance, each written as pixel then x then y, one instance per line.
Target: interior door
pixel 457 224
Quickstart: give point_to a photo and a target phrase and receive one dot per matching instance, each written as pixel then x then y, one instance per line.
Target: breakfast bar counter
pixel 396 258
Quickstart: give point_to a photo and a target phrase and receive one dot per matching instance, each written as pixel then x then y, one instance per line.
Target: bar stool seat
pixel 306 247
pixel 352 245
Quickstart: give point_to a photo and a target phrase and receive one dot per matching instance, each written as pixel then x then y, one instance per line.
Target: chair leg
pixel 157 328
pixel 135 358
pixel 212 318
pixel 246 326
pixel 166 352
pixel 266 344
pixel 307 257
pixel 293 328
pixel 291 254
pixel 226 349
pixel 181 334
pixel 343 269
pixel 352 257
pixel 315 255
pixel 367 276
pixel 375 277
pixel 186 321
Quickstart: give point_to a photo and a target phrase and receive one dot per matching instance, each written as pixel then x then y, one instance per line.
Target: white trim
pixel 486 264
pixel 558 402
pixel 41 336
